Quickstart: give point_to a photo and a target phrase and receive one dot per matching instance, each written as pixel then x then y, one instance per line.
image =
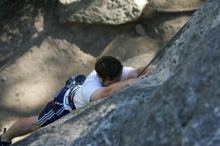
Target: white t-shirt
pixel 91 84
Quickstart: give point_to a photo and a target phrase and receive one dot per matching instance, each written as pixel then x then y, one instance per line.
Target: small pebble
pixel 4 79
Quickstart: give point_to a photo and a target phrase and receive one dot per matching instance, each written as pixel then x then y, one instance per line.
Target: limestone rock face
pixel 180 109
pixel 100 11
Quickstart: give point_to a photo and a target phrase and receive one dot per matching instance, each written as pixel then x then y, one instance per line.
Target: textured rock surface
pixel 177 106
pixel 174 5
pixel 187 39
pixel 124 47
pixel 171 6
pixel 139 60
pixel 167 27
pixel 101 11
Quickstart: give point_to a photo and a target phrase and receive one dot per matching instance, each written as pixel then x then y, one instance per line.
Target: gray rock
pixel 100 11
pixel 175 5
pixel 171 7
pixel 140 30
pixel 139 60
pixel 17 93
pixel 4 78
pixel 124 47
pixel 186 40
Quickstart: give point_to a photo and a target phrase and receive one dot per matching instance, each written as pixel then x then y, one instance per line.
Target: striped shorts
pixel 54 109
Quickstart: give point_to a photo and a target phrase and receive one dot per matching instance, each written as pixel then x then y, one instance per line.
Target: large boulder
pixel 171 6
pixel 181 109
pixel 162 27
pixel 100 11
pixel 139 60
pixel 163 18
pixel 124 47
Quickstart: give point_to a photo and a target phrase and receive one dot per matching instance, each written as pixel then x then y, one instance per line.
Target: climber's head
pixel 109 69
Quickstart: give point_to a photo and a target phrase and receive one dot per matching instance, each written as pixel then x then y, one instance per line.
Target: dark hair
pixel 108 67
